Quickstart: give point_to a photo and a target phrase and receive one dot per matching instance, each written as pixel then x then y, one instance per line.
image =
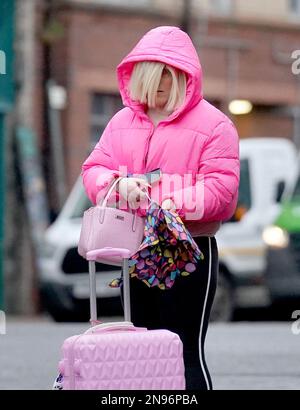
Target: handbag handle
pixel 105 199
pixel 102 206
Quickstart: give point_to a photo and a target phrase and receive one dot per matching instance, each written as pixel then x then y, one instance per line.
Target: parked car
pixel 265 172
pixel 283 250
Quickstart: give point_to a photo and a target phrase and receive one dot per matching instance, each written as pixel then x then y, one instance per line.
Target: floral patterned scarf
pixel 167 251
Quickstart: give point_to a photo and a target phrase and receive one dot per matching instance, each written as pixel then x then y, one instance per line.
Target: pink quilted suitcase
pixel 117 355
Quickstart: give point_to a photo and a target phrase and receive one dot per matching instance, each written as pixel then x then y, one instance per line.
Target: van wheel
pixel 223 305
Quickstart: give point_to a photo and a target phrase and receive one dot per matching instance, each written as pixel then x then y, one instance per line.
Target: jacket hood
pixel 171 46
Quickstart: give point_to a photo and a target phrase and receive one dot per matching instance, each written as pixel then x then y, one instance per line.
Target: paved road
pixel 243 355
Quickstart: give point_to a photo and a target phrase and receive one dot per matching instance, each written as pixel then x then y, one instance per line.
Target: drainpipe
pixel 7 8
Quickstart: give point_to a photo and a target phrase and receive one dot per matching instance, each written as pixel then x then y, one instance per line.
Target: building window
pixel 294 7
pixel 103 107
pixel 120 3
pixel 221 7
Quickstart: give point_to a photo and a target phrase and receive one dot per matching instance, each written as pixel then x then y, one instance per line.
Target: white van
pixel 268 166
pixel 268 169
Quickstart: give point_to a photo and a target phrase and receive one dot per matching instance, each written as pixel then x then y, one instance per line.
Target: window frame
pixel 221 10
pixel 293 11
pixel 112 103
pixel 121 3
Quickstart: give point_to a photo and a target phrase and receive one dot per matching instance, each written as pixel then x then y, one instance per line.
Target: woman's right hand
pixel 133 190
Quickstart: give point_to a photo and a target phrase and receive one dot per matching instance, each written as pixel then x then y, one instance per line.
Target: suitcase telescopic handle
pixel 92 258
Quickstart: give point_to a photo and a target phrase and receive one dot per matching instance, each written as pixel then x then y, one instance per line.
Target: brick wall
pixel 96 44
pixel 263 58
pixel 84 61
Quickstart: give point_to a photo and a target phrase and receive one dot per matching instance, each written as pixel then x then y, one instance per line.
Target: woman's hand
pixel 168 204
pixel 133 190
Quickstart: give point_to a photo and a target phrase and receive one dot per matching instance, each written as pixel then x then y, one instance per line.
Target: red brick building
pixel 243 60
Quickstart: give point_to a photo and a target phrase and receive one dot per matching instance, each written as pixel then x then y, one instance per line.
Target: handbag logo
pixel 120 217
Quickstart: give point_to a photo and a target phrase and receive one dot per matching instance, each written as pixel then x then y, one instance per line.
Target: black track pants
pixel 183 309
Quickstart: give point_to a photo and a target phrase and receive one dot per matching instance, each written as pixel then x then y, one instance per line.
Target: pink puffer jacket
pixel 197 144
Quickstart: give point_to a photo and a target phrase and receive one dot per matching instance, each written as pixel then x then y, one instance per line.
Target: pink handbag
pixel 107 227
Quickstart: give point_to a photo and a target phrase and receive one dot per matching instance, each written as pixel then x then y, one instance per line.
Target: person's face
pixel 164 88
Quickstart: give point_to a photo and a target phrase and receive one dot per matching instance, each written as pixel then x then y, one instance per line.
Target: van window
pixel 244 200
pixel 81 205
pixel 296 193
pixel 245 186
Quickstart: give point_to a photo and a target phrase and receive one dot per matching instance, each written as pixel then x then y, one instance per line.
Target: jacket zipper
pixel 149 139
pixel 152 132
pixel 147 149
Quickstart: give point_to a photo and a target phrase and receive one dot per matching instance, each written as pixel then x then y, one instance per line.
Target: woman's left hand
pixel 168 204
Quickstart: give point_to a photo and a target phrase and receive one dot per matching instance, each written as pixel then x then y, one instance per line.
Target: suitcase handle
pixel 113 326
pixel 92 258
pixel 107 251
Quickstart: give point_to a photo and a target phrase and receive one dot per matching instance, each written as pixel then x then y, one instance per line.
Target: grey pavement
pixel 241 355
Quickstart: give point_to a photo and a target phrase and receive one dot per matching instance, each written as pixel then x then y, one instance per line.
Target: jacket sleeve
pixel 214 194
pixel 98 171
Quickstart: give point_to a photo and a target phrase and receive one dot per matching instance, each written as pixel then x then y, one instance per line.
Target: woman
pixel 167 124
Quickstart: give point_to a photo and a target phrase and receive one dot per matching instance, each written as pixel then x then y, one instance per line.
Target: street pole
pixel 2 183
pixel 6 105
pixel 186 16
pixel 56 102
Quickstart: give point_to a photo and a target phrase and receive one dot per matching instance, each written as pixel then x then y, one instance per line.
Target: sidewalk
pixel 239 355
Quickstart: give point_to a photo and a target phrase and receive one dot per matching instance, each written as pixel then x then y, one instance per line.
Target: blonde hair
pixel 145 79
